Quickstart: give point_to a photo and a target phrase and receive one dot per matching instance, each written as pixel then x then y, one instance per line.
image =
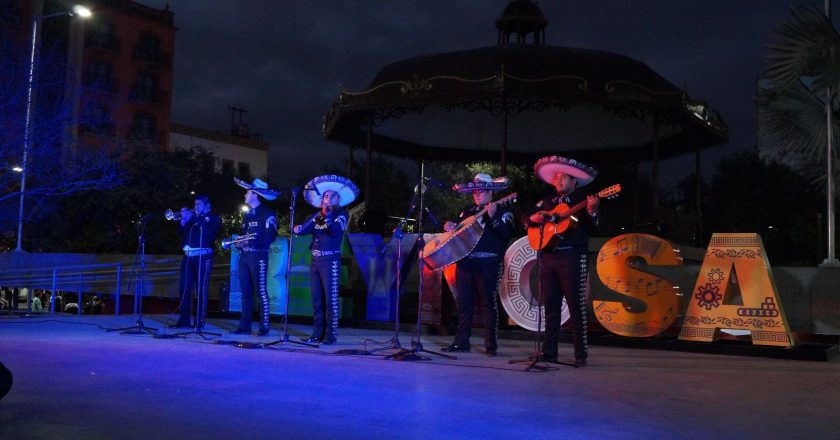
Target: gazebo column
pixel 504 139
pixel 369 159
pixel 350 162
pixel 655 171
pixel 421 171
pixel 636 193
pixel 698 197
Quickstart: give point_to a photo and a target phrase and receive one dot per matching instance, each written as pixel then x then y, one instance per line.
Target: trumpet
pixel 176 216
pixel 233 240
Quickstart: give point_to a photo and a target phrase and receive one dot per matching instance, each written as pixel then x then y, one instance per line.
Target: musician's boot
pixel 456 348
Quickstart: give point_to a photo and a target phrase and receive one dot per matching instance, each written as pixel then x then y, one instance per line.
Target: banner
pixel 376 265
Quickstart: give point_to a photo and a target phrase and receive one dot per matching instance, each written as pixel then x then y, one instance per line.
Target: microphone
pixel 312 188
pixel 435 182
pixel 432 217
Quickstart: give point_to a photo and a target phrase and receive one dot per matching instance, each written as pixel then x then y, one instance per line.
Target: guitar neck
pixel 501 202
pixel 574 209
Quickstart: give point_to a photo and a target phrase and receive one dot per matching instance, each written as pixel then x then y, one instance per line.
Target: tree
pixel 154 180
pixel 798 104
pixel 57 167
pixel 748 193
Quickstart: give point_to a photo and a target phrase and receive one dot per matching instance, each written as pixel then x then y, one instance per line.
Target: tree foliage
pixel 57 167
pixel 154 180
pixel 803 64
pixel 748 193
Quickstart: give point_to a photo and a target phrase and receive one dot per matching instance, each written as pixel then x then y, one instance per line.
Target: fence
pixel 95 280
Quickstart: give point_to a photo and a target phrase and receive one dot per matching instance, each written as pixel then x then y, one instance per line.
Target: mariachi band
pixel 475 242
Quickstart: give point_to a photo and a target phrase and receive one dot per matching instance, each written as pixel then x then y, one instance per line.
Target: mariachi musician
pixel 198 228
pixel 331 194
pixel 564 272
pixel 478 273
pixel 260 224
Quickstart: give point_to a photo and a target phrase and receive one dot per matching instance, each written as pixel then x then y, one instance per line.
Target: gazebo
pixel 520 99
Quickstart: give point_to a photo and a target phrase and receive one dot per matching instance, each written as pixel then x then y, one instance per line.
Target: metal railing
pixel 95 277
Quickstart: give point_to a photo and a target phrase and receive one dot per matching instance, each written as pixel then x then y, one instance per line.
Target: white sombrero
pixel 548 166
pixel 314 190
pixel 483 181
pixel 259 187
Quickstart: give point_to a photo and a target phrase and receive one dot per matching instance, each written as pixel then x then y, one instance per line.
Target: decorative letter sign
pixel 740 256
pixel 519 287
pixel 661 299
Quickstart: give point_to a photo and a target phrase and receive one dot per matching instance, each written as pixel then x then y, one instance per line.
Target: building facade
pixel 106 79
pixel 243 156
pixel 126 74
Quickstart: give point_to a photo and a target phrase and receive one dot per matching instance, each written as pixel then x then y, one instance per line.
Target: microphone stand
pixel 416 343
pixel 537 360
pixel 284 339
pixel 398 234
pixel 138 328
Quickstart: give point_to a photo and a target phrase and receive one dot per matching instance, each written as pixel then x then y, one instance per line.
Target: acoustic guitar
pixel 564 219
pixel 449 247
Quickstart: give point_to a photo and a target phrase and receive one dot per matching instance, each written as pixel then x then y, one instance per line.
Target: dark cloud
pixel 285 61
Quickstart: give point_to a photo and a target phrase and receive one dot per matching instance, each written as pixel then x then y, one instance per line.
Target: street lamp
pixel 79 11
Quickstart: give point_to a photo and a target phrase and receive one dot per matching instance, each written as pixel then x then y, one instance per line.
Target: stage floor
pixel 74 380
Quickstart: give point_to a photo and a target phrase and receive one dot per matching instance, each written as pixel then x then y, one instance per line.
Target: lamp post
pixel 79 11
pixel 830 259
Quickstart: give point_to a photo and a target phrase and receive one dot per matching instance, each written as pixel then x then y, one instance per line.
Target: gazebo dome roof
pixel 529 62
pixel 518 99
pixel 521 15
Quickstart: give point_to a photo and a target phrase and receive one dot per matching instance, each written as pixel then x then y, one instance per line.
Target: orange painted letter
pixel 740 256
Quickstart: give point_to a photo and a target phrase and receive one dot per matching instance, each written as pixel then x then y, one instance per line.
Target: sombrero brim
pixel 268 194
pixel 346 189
pixel 547 167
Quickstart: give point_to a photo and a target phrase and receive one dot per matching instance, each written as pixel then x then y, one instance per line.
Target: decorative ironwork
pixel 628 111
pixel 515 80
pixel 612 87
pixel 416 84
pixel 381 115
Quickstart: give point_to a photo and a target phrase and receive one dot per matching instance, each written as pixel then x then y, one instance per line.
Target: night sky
pixel 286 61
